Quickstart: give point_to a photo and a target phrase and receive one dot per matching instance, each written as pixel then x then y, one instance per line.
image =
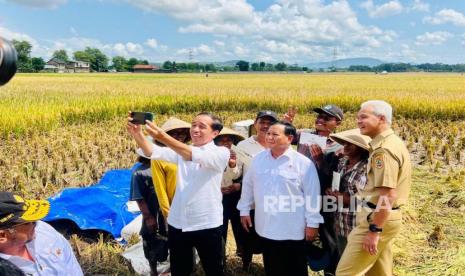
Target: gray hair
pixel 380 108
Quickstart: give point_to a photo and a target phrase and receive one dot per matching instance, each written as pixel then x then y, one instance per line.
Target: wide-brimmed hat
pixel 175 123
pixel 352 136
pixel 236 136
pixel 14 210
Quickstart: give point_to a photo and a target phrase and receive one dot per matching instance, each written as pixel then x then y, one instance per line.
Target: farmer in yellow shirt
pixel 164 173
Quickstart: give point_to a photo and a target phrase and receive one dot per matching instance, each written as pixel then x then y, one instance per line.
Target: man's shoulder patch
pixel 378 161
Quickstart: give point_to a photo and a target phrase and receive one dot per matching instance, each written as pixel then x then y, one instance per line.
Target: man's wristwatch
pixel 373 228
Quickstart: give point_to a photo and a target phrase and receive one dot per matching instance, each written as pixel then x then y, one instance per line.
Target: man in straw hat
pixel 351 174
pixel 231 186
pixel 368 250
pixel 152 186
pixel 195 218
pixel 30 244
pixel 284 188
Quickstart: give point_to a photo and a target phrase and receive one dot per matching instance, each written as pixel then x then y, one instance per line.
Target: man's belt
pixel 373 206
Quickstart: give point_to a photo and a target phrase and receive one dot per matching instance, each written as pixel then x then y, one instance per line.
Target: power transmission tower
pixel 191 55
pixel 334 61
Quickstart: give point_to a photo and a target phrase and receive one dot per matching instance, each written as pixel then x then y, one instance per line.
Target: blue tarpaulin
pixel 101 206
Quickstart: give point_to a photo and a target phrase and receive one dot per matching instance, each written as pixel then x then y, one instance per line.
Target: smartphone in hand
pixel 139 118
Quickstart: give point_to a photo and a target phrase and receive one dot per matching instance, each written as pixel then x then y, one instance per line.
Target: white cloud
pixel 306 21
pixel 206 11
pixel 51 4
pixel 73 31
pixel 433 38
pixel 420 6
pixel 125 49
pixel 152 43
pixel 205 50
pixel 134 48
pixel 387 9
pixel 446 16
pixel 10 35
pixel 219 43
pixel 241 51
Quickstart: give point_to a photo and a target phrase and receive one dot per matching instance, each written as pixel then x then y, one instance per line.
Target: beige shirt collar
pixel 380 137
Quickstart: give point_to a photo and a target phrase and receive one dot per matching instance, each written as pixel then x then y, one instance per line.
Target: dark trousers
pixel 331 242
pixel 208 243
pixel 231 213
pixel 286 257
pixel 252 243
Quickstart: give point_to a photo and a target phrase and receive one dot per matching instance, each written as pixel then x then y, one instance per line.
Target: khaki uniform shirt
pixel 388 166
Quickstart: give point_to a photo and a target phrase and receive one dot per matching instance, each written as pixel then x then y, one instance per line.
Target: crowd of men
pixel 331 203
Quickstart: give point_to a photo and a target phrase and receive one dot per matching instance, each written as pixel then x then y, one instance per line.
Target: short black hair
pixel 217 122
pixel 289 129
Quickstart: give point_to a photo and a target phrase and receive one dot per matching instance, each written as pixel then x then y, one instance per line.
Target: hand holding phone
pixel 139 118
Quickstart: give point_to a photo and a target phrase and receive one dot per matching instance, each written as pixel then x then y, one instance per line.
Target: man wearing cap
pixel 257 143
pixel 284 188
pixel 152 187
pixel 326 160
pixel 196 214
pixel 251 147
pixel 351 174
pixel 368 250
pixel 32 245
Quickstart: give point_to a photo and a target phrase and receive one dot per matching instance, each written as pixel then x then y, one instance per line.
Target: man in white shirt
pixel 30 244
pixel 283 185
pixel 256 143
pixel 196 214
pixel 251 147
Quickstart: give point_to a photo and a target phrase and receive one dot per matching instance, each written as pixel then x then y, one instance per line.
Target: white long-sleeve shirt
pixel 251 146
pixel 197 202
pixel 286 195
pixel 231 174
pixel 51 252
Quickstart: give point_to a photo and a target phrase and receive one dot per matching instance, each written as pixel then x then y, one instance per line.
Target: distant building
pixel 60 66
pixel 144 68
pixel 56 65
pixel 79 66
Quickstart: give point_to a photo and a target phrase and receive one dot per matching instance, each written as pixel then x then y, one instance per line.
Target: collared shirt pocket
pixel 291 178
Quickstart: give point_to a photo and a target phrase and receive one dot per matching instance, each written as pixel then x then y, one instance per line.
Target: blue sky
pixel 293 31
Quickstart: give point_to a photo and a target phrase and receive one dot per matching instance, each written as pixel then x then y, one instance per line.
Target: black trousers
pixel 251 243
pixel 231 213
pixel 208 243
pixel 286 257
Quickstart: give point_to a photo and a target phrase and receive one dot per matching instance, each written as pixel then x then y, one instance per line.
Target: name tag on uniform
pixel 336 181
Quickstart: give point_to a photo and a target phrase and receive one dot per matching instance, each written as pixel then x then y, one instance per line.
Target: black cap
pixel 15 210
pixel 331 110
pixel 267 113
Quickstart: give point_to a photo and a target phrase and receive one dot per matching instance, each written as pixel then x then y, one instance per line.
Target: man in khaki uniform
pixel 368 251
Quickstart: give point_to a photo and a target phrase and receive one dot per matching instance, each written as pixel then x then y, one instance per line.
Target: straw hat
pixel 171 124
pixel 237 137
pixel 174 123
pixel 352 136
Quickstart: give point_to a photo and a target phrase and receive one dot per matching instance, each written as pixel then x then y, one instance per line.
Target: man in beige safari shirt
pixel 368 251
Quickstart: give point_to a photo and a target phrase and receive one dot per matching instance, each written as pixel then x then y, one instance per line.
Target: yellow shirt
pixel 164 182
pixel 388 166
